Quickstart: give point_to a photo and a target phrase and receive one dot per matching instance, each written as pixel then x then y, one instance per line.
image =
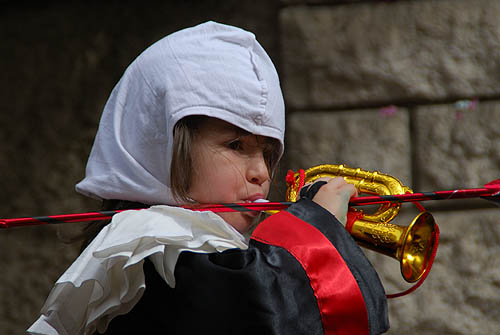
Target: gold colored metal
pixel 412 246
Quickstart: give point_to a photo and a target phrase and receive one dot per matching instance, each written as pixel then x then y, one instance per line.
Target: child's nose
pixel 257 172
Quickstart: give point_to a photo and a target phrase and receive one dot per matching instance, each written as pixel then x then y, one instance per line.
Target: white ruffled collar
pixel 107 279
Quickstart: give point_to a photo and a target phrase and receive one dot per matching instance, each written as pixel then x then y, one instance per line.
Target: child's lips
pixel 258 197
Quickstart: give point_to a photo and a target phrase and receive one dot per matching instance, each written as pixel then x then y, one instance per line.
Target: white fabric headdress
pixel 210 69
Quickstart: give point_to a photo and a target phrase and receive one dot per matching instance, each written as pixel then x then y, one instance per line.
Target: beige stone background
pixel 409 88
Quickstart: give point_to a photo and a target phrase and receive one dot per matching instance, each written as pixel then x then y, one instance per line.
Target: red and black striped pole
pixel 104 215
pixel 490 191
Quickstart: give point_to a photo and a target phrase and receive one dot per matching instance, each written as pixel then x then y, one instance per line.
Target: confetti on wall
pixel 464 105
pixel 388 111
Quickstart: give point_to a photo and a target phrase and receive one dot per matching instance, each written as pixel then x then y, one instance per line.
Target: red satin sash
pixel 339 298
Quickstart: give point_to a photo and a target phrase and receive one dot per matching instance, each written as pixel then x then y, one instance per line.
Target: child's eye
pixel 234 144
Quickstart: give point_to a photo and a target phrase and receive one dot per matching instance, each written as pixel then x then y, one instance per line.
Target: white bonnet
pixel 210 69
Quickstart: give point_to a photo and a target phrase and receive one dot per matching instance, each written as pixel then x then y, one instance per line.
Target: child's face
pixel 229 167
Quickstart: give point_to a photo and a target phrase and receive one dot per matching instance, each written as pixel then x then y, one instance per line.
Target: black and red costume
pixel 302 274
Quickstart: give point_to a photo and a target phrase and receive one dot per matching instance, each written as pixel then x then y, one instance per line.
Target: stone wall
pixel 410 88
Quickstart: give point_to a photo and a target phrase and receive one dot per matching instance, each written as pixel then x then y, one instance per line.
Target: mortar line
pixel 397 103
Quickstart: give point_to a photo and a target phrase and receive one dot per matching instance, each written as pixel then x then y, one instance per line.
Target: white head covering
pixel 210 69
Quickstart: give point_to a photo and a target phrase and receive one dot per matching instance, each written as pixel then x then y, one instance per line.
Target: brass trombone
pixel 413 246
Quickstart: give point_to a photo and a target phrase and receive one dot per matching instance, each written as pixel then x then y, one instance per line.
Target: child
pixel 199 118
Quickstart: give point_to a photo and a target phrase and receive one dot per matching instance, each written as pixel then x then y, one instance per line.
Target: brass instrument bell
pixel 412 246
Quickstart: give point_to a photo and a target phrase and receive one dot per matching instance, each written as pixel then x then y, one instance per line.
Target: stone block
pixel 368 139
pixel 457 148
pixel 386 52
pixel 461 295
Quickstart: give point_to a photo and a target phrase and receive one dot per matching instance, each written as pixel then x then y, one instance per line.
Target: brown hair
pixel 181 166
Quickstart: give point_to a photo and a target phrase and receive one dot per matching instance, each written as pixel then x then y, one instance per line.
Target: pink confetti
pixel 388 111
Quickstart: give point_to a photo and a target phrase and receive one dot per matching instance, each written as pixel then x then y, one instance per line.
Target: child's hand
pixel 334 196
